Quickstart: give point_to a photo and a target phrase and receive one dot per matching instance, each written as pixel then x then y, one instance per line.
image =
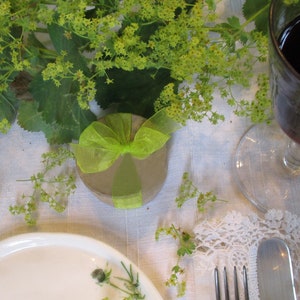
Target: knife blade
pixel 274 271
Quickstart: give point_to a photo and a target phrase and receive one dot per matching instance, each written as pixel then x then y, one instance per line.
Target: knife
pixel 274 271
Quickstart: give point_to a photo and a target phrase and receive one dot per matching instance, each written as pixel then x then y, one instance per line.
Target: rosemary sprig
pixel 130 286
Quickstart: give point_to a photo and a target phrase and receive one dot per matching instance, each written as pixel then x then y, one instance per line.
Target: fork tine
pixel 236 286
pixel 226 285
pixel 217 284
pixel 226 289
pixel 245 280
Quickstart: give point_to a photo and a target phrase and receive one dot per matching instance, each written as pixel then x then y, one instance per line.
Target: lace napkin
pixel 234 239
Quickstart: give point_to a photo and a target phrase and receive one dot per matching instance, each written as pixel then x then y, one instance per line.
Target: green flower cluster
pixel 4 126
pixel 81 50
pixel 47 187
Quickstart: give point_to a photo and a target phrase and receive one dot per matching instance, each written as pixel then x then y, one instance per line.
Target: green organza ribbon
pixel 102 143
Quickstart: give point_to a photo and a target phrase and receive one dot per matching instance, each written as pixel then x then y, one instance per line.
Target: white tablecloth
pixel 204 150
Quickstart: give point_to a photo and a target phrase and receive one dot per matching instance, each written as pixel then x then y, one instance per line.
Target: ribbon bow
pixel 102 143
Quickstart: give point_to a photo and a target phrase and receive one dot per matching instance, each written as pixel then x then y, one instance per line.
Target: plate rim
pixel 25 241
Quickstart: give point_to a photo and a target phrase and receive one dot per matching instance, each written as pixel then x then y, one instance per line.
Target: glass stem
pixel 291 157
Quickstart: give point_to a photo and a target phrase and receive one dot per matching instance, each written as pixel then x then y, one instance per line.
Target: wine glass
pixel 267 161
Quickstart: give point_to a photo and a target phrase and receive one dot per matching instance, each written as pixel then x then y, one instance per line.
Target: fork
pixel 235 281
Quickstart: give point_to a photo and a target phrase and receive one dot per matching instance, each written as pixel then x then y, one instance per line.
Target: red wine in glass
pixel 287 102
pixel 267 159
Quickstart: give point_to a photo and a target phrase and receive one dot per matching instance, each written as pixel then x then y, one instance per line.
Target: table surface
pixel 202 149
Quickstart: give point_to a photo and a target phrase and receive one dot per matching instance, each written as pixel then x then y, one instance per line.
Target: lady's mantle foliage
pixel 131 54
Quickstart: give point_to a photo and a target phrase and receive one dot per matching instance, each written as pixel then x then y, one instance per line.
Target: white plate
pixel 56 266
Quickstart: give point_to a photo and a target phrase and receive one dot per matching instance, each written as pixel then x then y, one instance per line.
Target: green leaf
pixel 35 55
pixel 59 103
pixel 234 22
pixel 70 45
pixel 257 11
pixel 8 106
pixel 134 91
pixel 233 30
pixel 56 110
pixel 30 119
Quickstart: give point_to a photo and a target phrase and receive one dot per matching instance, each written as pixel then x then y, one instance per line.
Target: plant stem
pixel 248 21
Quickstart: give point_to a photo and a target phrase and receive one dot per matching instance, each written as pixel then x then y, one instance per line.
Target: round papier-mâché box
pixel 152 172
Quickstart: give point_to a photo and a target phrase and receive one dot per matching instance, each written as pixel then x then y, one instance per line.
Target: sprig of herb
pixel 130 286
pixel 47 186
pixel 188 190
pixel 186 246
pixel 185 240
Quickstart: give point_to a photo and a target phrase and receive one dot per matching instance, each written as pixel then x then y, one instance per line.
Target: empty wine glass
pixel 267 161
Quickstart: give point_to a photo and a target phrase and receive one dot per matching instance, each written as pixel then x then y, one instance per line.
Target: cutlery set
pixel 274 273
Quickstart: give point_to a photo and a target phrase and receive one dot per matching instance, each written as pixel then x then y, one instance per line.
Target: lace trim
pixel 234 239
